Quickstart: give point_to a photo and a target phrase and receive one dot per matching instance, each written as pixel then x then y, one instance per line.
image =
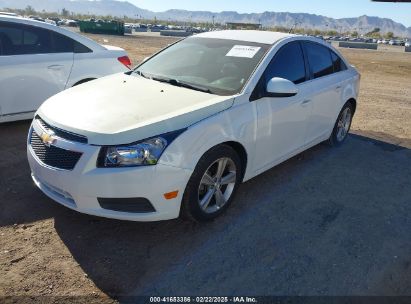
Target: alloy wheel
pixel 344 124
pixel 217 185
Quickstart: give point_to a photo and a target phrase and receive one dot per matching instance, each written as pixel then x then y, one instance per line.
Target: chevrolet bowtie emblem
pixel 48 138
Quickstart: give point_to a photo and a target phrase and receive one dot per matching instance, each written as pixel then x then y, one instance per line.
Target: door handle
pixel 55 67
pixel 305 102
pixel 338 88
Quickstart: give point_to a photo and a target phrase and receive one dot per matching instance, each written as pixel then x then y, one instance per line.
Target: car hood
pixel 121 109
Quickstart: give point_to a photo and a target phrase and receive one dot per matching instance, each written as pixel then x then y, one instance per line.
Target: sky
pixel 400 12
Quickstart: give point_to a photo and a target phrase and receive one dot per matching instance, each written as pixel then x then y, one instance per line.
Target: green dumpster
pixel 102 27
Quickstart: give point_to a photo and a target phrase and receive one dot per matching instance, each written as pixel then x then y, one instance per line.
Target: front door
pixel 282 121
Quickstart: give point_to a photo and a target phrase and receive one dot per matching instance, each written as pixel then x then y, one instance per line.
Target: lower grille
pixel 53 156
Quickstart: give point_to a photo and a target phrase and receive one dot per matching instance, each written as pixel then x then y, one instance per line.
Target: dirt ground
pixel 327 222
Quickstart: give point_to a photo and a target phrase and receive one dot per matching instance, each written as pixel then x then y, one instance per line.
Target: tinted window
pixel 288 63
pixel 320 59
pixel 20 39
pixel 62 44
pixel 80 48
pixel 338 63
pixel 17 39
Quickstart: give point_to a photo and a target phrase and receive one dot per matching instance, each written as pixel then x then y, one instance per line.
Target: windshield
pixel 216 66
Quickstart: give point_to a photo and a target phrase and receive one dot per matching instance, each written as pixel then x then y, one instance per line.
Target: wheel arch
pixel 353 102
pixel 83 81
pixel 242 153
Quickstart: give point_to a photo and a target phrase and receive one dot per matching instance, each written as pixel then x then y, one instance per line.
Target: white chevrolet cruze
pixel 38 60
pixel 178 134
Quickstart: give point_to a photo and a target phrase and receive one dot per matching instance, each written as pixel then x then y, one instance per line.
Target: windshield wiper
pixel 142 74
pixel 178 83
pixel 194 87
pixel 174 82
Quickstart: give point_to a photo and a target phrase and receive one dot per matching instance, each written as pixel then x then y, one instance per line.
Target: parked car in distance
pixel 178 134
pixel 46 61
pixel 400 42
pixel 407 44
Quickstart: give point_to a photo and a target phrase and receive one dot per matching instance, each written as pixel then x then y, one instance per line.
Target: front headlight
pixel 144 153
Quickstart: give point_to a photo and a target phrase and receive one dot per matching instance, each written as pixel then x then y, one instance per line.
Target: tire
pixel 208 196
pixel 342 126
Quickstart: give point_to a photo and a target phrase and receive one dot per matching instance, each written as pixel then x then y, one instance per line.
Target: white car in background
pixel 38 60
pixel 187 126
pixel 408 44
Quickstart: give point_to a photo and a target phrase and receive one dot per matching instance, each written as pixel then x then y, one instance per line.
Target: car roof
pixel 265 37
pixel 80 38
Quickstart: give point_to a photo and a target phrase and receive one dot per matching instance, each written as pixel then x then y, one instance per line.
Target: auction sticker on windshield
pixel 243 51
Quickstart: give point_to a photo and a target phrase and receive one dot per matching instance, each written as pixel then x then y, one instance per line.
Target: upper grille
pixel 53 156
pixel 61 133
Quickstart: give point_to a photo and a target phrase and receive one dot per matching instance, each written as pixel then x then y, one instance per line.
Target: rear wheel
pixel 213 184
pixel 342 125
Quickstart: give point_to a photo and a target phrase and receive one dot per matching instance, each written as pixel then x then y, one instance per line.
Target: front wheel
pixel 213 184
pixel 342 125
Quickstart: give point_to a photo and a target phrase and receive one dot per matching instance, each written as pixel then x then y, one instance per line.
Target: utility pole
pixel 294 26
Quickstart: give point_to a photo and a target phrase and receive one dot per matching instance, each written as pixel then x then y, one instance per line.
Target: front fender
pixel 236 124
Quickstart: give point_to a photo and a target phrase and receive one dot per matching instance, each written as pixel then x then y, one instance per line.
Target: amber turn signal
pixel 171 195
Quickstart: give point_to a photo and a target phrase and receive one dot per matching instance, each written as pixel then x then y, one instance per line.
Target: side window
pixel 288 63
pixel 9 38
pixel 19 39
pixel 319 59
pixel 338 63
pixel 80 48
pixel 62 44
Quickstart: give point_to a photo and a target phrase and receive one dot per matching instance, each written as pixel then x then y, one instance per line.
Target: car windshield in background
pixel 216 66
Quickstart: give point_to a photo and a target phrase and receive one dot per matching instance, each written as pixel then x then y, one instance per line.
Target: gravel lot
pixel 327 222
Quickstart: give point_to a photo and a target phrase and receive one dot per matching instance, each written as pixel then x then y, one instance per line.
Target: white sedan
pixel 38 60
pixel 178 134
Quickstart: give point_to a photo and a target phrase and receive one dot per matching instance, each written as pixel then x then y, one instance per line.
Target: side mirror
pixel 280 87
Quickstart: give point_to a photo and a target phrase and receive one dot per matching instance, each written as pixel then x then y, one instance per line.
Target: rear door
pixel 326 86
pixel 35 64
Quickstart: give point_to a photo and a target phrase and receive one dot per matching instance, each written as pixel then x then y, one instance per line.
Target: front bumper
pixel 78 189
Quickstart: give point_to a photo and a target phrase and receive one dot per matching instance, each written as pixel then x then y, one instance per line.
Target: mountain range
pixel 362 24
